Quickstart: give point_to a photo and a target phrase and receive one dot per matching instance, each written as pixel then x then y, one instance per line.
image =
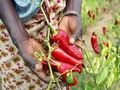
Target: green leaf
pixel 105 51
pixel 110 79
pixel 69 78
pixel 110 44
pixel 88 87
pixel 102 76
pixel 97 65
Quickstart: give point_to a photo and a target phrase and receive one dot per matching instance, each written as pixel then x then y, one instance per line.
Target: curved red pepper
pixel 61 55
pixel 62 68
pixel 63 41
pixel 95 43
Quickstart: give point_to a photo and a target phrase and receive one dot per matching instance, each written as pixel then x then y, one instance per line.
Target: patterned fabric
pixel 14 73
pixel 26 8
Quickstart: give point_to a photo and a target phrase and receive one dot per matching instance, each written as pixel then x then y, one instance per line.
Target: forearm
pixel 12 21
pixel 73 5
pixel 13 25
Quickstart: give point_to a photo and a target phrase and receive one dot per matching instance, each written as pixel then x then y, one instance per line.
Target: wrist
pixel 73 5
pixel 69 13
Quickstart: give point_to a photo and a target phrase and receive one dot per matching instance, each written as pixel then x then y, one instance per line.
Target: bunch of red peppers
pixel 66 58
pixel 69 55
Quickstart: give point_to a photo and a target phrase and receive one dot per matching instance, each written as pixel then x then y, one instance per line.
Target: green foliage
pixel 101 72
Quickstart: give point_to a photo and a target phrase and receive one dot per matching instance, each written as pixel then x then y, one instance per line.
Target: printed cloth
pixel 14 74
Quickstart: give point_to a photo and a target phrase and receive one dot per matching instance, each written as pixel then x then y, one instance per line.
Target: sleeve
pixel 27 8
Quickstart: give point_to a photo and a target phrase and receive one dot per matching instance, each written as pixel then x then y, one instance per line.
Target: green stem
pixel 49 57
pixel 52 28
pixel 50 68
pixel 91 68
pixel 49 85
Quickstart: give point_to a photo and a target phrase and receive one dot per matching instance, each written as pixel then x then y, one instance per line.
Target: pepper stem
pixel 52 28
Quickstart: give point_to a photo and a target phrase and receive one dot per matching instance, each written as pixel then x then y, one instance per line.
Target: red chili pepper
pixel 107 45
pixel 93 17
pixel 116 22
pixel 104 30
pixel 104 10
pixel 95 43
pixel 62 68
pixel 63 41
pixel 61 55
pixel 89 14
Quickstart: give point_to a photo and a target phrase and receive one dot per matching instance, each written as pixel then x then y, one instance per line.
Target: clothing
pixel 26 8
pixel 14 73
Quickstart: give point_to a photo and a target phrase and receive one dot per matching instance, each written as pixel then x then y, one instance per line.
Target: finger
pixel 38 67
pixel 63 25
pixel 31 63
pixel 41 75
pixel 78 32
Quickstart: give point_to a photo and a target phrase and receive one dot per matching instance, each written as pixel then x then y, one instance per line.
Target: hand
pixel 27 49
pixel 72 25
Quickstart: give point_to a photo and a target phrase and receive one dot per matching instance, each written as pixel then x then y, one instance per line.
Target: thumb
pixel 78 32
pixel 38 67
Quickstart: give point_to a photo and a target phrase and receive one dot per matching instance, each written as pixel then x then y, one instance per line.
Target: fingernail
pixel 38 67
pixel 71 40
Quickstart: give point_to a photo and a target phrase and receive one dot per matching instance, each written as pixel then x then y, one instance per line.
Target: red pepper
pixel 93 17
pixel 104 10
pixel 63 41
pixel 89 14
pixel 107 45
pixel 104 30
pixel 116 22
pixel 62 68
pixel 61 55
pixel 95 43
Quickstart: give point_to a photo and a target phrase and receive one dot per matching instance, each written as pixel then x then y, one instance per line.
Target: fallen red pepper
pixel 63 41
pixel 61 55
pixel 95 43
